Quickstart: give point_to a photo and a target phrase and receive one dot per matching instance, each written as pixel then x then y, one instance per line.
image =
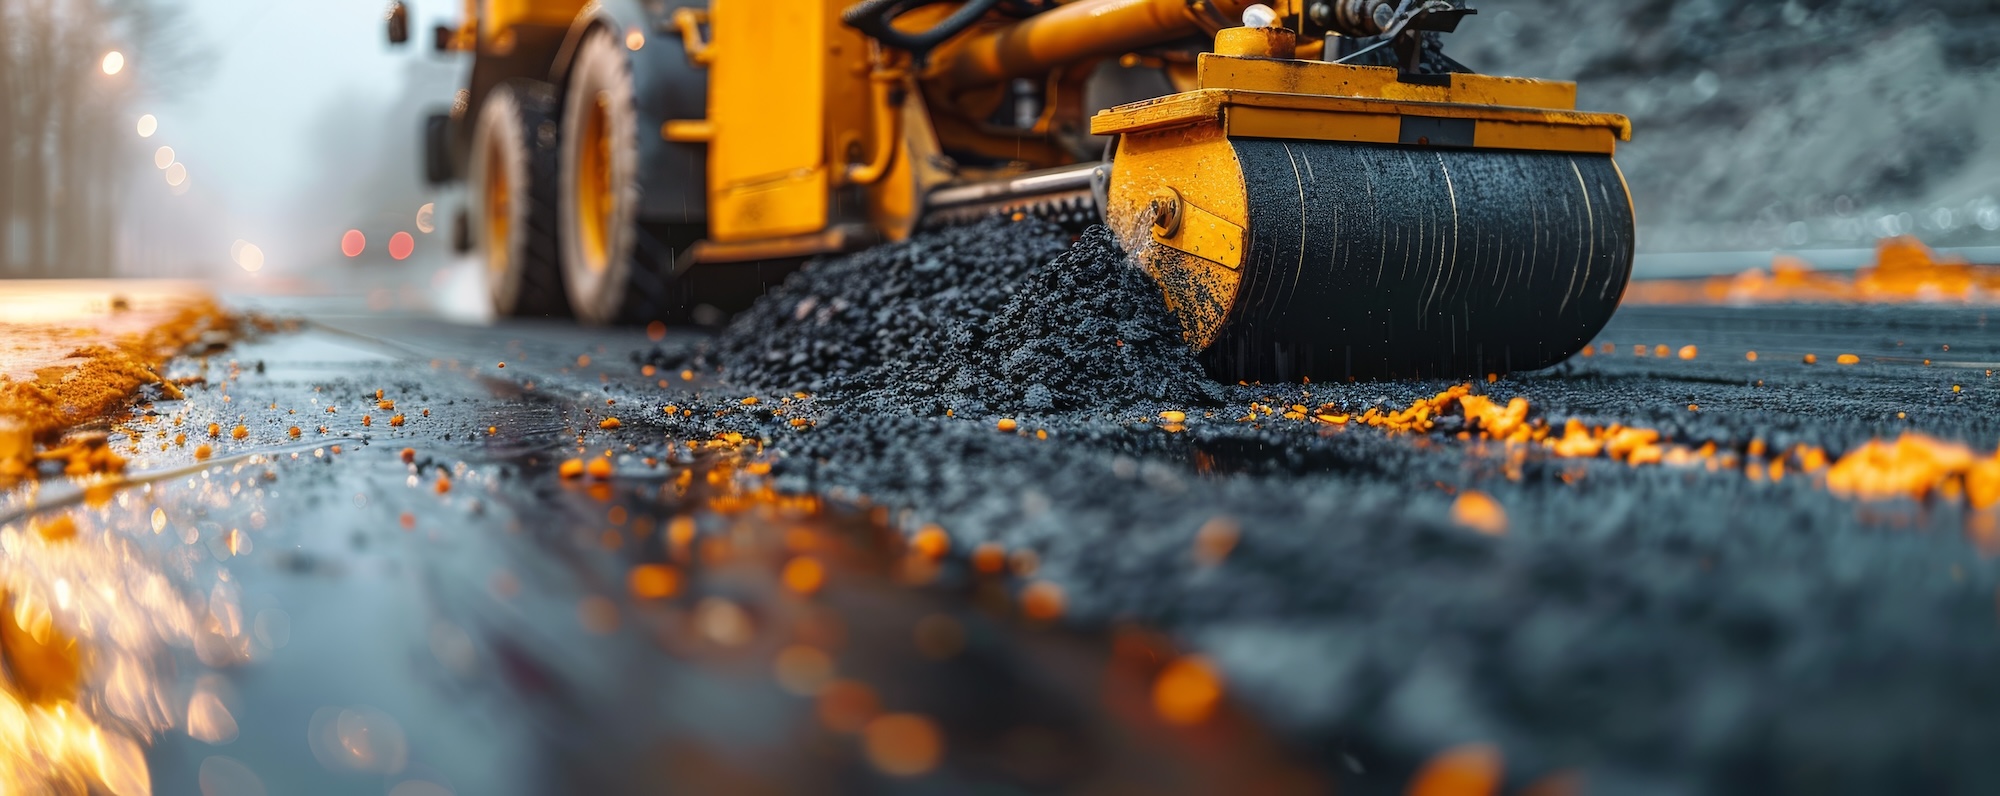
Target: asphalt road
pixel 1655 629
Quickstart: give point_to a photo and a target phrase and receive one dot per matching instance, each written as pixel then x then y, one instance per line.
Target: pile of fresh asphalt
pixel 994 317
pixel 1655 629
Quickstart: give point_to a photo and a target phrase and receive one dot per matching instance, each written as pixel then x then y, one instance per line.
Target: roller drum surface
pixel 1376 261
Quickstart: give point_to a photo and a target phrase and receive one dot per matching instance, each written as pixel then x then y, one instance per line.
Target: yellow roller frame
pixel 1178 198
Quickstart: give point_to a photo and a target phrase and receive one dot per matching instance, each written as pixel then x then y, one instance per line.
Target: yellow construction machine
pixel 1319 191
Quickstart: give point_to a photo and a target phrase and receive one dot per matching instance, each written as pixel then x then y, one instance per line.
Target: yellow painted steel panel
pixel 1379 82
pixel 499 15
pixel 1373 128
pixel 767 108
pixel 1545 137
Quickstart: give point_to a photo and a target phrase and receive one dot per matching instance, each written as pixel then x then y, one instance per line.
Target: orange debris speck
pixel 1847 359
pixel 571 468
pixel 750 401
pixel 409 455
pixel 1187 692
pixel 384 405
pixel 989 558
pixel 215 429
pixel 599 469
pixel 1468 770
pixel 1750 355
pixel 396 421
pixel 1007 424
pixel 931 542
pixel 443 485
pixel 1042 601
pixel 1174 416
pixel 609 423
pixel 1811 359
pixel 804 574
pixel 294 431
pixel 653 581
pixel 202 452
pixel 847 706
pixel 1687 352
pixel 903 744
pixel 1215 539
pixel 1480 512
pixel 502 365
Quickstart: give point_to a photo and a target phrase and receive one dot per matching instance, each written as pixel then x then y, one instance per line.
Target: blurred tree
pixel 64 138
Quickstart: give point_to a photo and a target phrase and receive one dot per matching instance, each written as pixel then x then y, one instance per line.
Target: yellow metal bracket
pixel 687 131
pixel 1181 225
pixel 689 21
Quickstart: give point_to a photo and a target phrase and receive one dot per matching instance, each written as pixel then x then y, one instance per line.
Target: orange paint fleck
pixel 653 581
pixel 847 706
pixel 1215 539
pixel 1847 359
pixel 1468 770
pixel 1187 691
pixel 1042 601
pixel 804 575
pixel 931 542
pixel 609 423
pixel 1480 512
pixel 1007 424
pixel 989 558
pixel 903 744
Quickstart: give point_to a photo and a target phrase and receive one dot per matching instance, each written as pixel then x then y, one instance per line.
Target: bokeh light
pixel 148 125
pixel 114 62
pixel 177 173
pixel 427 218
pixel 247 255
pixel 401 244
pixel 353 243
pixel 163 157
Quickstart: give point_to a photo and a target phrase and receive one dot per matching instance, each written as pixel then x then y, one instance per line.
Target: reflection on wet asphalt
pixel 475 582
pixel 409 596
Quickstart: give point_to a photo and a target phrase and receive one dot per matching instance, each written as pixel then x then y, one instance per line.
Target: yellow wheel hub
pixel 497 210
pixel 595 202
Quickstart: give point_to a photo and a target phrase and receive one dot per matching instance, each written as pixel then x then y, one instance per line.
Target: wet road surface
pixel 411 596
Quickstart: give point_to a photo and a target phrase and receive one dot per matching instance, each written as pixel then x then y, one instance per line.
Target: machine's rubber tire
pixel 616 268
pixel 511 193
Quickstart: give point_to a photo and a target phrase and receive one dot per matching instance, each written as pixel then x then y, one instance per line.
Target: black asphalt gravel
pixel 1658 628
pixel 1649 629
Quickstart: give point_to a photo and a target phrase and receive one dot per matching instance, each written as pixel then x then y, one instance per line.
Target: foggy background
pixel 291 121
pixel 1760 125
